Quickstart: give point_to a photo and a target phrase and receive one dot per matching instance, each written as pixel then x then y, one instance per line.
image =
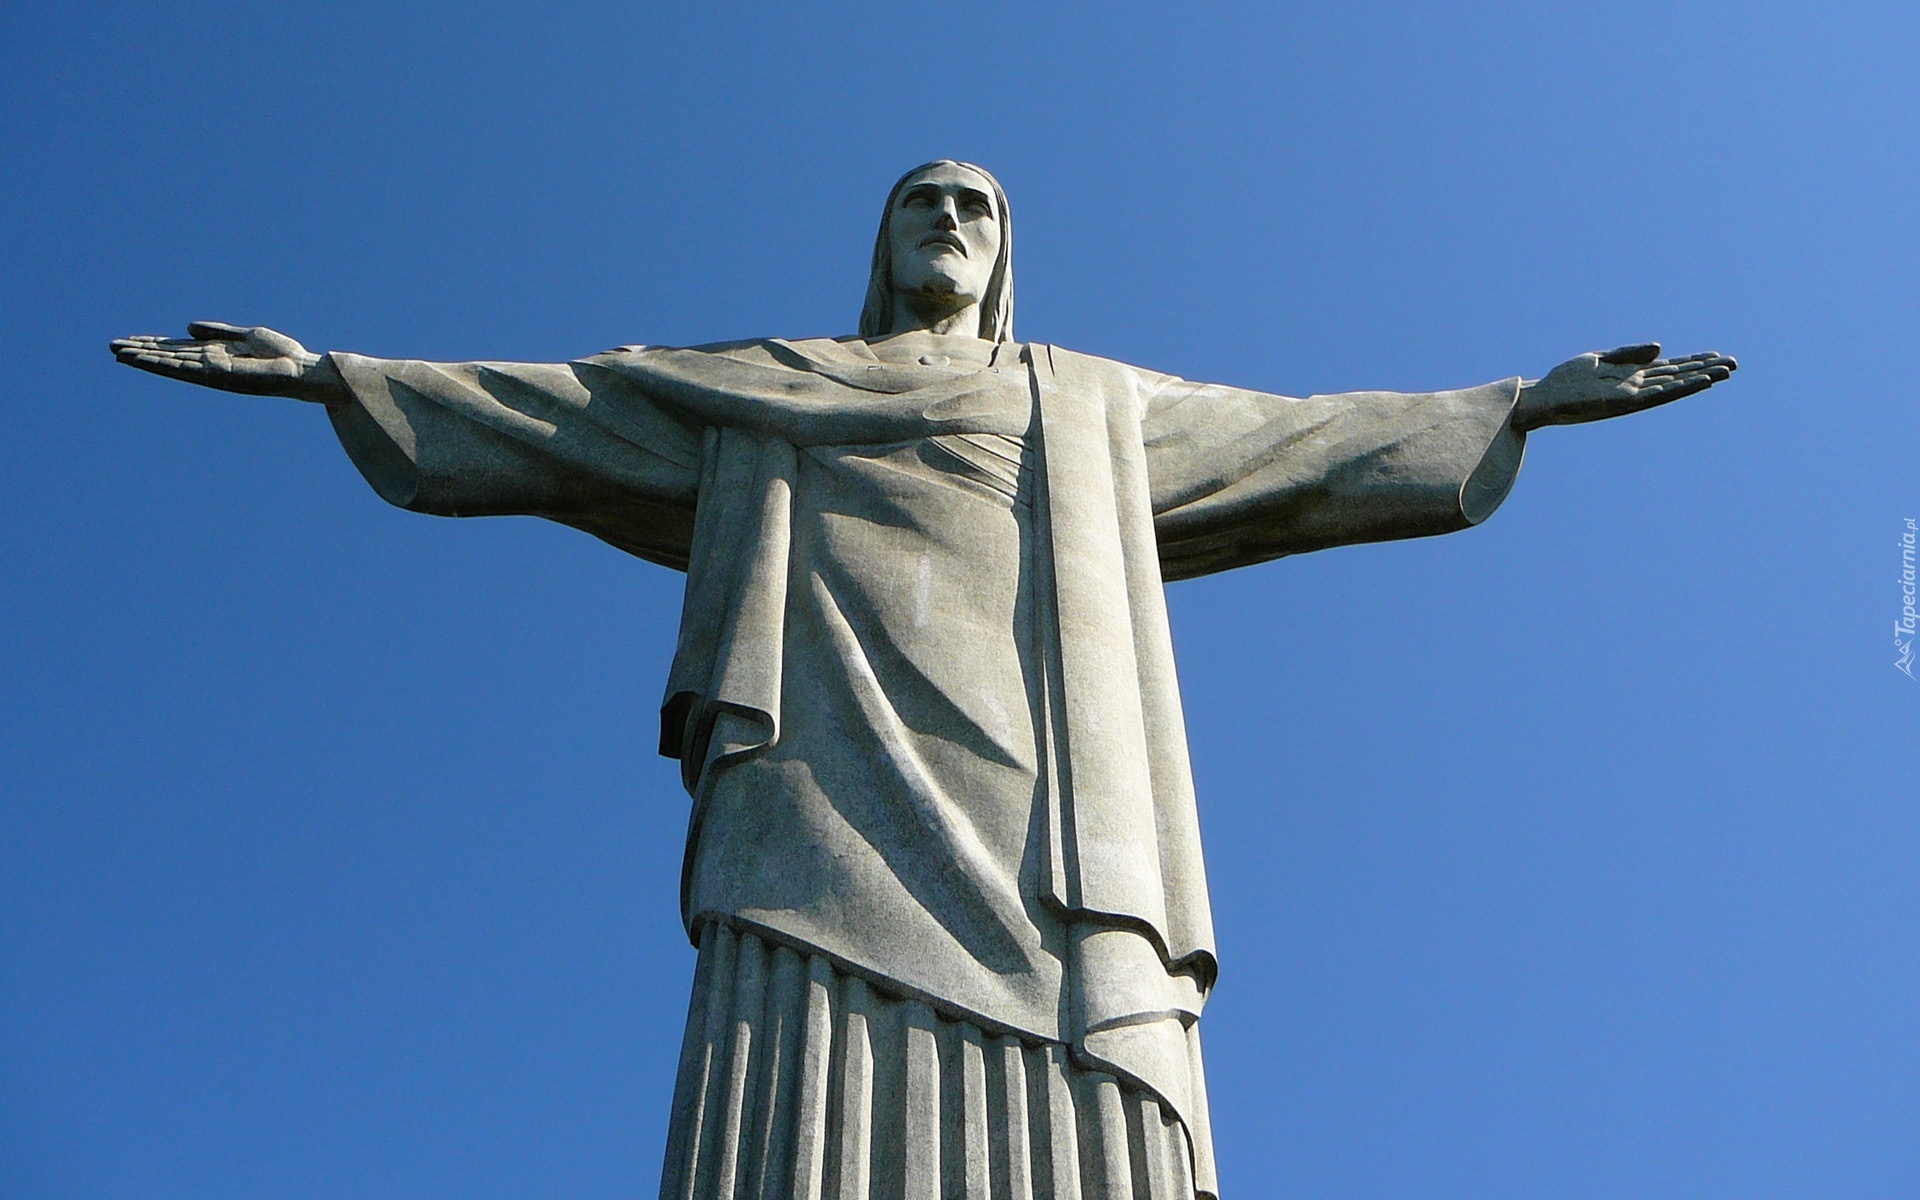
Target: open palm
pixel 256 360
pixel 1595 386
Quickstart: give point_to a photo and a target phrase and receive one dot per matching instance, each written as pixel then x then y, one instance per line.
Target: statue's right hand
pixel 258 361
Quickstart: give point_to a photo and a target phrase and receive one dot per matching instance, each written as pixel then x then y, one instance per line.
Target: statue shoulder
pixel 743 348
pixel 1075 364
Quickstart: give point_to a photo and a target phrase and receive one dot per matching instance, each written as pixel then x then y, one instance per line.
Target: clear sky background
pixel 1571 856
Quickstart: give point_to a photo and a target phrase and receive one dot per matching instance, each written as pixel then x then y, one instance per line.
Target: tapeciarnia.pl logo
pixel 1904 627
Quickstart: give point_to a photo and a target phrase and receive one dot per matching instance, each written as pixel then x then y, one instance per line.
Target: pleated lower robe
pixel 799 1080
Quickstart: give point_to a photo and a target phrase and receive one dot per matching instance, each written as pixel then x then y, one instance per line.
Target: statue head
pixel 946 237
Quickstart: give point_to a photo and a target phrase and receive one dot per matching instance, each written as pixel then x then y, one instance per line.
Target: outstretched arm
pixel 256 361
pixel 1239 476
pixel 573 442
pixel 1596 386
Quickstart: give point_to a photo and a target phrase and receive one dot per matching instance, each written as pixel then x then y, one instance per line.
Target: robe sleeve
pixel 1240 477
pixel 572 442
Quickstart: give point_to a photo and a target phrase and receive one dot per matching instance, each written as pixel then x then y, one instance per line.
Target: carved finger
pixel 1712 366
pixel 132 353
pixel 1686 385
pixel 1697 374
pixel 164 366
pixel 1684 388
pixel 1680 366
pixel 1712 374
pixel 162 354
pixel 1669 366
pixel 158 345
pixel 159 355
pixel 1710 358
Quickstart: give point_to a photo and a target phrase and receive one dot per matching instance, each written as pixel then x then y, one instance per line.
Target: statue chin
pixel 934 299
pixel 944 275
pixel 935 285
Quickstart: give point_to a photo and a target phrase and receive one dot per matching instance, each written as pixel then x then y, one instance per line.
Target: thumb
pixel 1632 356
pixel 217 331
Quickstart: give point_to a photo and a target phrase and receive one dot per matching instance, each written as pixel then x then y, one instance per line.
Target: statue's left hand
pixel 1594 387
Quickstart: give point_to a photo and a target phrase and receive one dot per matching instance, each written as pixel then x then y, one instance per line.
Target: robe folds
pixel 923 695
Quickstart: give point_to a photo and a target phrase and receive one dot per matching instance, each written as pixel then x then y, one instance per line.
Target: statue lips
pixel 944 239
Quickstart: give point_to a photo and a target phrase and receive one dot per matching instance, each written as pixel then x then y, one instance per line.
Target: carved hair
pixel 996 306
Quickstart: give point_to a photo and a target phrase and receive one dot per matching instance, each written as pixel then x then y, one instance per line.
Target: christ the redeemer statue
pixel 943 865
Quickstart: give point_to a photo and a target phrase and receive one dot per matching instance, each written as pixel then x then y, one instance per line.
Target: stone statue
pixel 943 865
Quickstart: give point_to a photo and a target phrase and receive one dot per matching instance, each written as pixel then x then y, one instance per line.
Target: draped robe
pixel 923 696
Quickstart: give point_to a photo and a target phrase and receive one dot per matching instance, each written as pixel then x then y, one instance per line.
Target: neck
pixel 936 314
pixel 950 348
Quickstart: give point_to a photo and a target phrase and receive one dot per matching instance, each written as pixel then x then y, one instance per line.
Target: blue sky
pixel 1572 855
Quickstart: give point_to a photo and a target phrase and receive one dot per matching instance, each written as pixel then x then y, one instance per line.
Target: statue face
pixel 944 235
